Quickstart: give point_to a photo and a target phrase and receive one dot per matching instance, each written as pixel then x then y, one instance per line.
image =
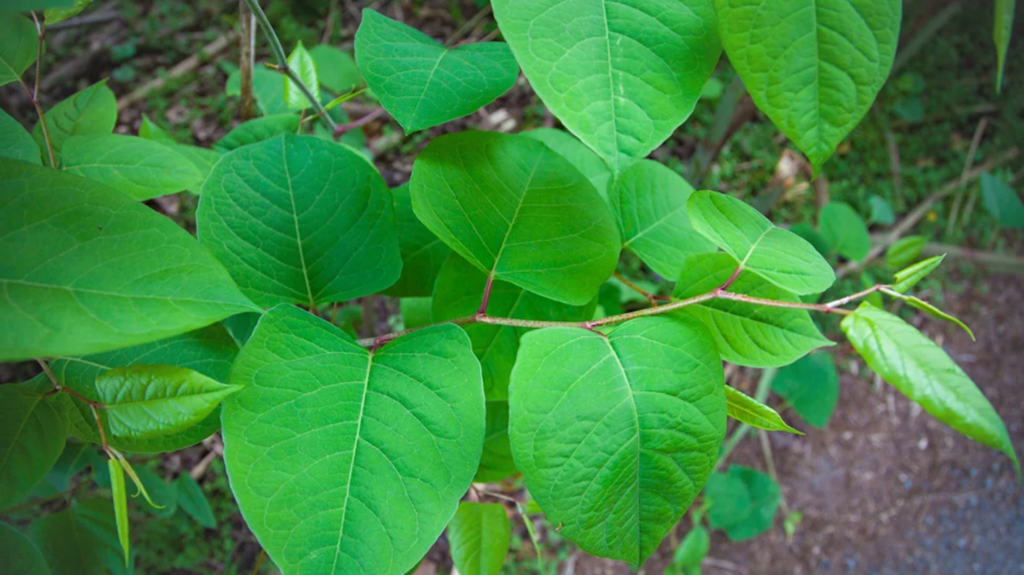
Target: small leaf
pixel 691 552
pixel 20 555
pixel 779 256
pixel 90 111
pixel 743 502
pixel 423 253
pixel 336 70
pixel 746 409
pixel 258 130
pixel 32 434
pixel 267 87
pixel 54 15
pixel 420 82
pixel 908 278
pixel 905 250
pixel 120 497
pixel 140 168
pixel 150 130
pixel 913 364
pixel 811 387
pixel 19 48
pixel 881 211
pixel 15 142
pixel 479 535
pixel 193 501
pixel 1001 32
pixel 81 540
pixel 790 524
pixel 1002 202
pixel 929 309
pixel 844 229
pixel 300 62
pixel 569 147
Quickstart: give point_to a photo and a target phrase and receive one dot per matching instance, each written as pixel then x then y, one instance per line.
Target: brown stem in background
pixel 356 124
pixel 651 298
pixel 246 45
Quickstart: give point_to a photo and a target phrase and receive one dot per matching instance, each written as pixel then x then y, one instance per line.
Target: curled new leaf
pixel 908 277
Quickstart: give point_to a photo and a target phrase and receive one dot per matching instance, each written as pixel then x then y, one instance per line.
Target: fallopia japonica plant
pixel 353 455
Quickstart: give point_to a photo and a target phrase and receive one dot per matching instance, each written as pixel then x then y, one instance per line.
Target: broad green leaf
pixel 691 552
pixel 300 62
pixel 479 536
pixel 267 87
pixel 140 168
pixel 615 435
pixel 54 15
pixel 779 256
pixel 157 496
pixel 81 540
pixel 649 204
pixel 423 253
pixel 621 76
pixel 297 219
pixel 922 371
pixel 586 161
pixel 15 142
pixel 415 311
pixel 844 229
pixel 905 250
pixel 929 309
pixel 1002 30
pixel 908 277
pixel 258 130
pixel 193 501
pixel 19 48
pixel 348 461
pixel 811 387
pixel 813 237
pixel 32 433
pixel 90 111
pixel 336 70
pixel 1002 202
pixel 420 82
pixel 517 210
pixel 87 269
pixel 72 461
pixel 813 67
pixel 743 502
pixel 746 409
pixel 145 401
pixel 120 496
pixel 19 554
pixel 747 334
pixel 150 130
pixel 209 351
pixel 881 211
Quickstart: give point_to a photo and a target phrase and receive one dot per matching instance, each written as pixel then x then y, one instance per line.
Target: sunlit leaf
pixel 743 502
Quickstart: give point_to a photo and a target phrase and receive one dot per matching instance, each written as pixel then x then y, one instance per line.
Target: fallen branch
pixel 186 66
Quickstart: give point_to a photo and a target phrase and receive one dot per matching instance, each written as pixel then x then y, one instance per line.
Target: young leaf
pixel 1001 32
pixel 904 251
pixel 19 48
pixel 908 278
pixel 743 502
pixel 423 253
pixel 622 76
pixel 297 219
pixel 420 82
pixel 779 256
pixel 1002 202
pixel 193 501
pixel 746 409
pixel 479 535
pixel 924 372
pixel 811 387
pixel 845 231
pixel 881 211
pixel 336 70
pixel 347 460
pixel 20 554
pixel 267 86
pixel 150 130
pixel 32 433
pixel 54 15
pixel 300 62
pixel 691 552
pixel 813 67
pixel 258 130
pixel 90 111
pixel 120 497
pixel 616 434
pixel 15 142
pixel 81 540
pixel 140 168
pixel 649 204
pixel 929 309
pixel 569 147
pixel 518 211
pixel 747 334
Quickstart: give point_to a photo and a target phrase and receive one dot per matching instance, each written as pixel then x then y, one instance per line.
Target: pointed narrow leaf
pixel 90 111
pixel 930 310
pixel 423 253
pixel 56 15
pixel 15 142
pixel 157 496
pixel 746 409
pixel 569 147
pixel 922 371
pixel 81 540
pixel 844 230
pixel 813 67
pixel 479 535
pixel 150 130
pixel 779 256
pixel 120 497
pixel 811 386
pixel 302 64
pixel 616 435
pixel 19 48
pixel 193 501
pixel 137 167
pixel 349 461
pixel 622 76
pixel 258 130
pixel 1002 202
pixel 905 250
pixel 743 502
pixel 20 555
pixel 908 277
pixel 32 433
pixel 1002 30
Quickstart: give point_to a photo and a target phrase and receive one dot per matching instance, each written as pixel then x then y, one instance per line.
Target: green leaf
pixel 19 48
pixel 692 550
pixel 569 147
pixel 929 309
pixel 743 502
pixel 140 168
pixel 420 82
pixel 54 15
pixel 844 229
pixel 423 253
pixel 811 387
pixel 87 269
pixel 747 334
pixel 905 250
pixel 32 433
pixel 881 211
pixel 621 76
pixel 258 130
pixel 15 142
pixel 813 237
pixel 1002 202
pixel 479 535
pixel 241 326
pixel 616 434
pixel 813 67
pixel 120 496
pixel 81 540
pixel 300 62
pixel 496 461
pixel 193 501
pixel 202 158
pixel 162 498
pixel 90 111
pixel 779 256
pixel 518 211
pixel 924 372
pixel 71 462
pixel 20 555
pixel 150 130
pixel 908 277
pixel 1001 32
pixel 649 204
pixel 297 219
pixel 267 87
pixel 349 461
pixel 415 311
pixel 746 409
pixel 336 69
pixel 790 524
pixel 145 401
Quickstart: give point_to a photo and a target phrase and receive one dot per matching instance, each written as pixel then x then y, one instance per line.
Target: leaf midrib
pixel 636 422
pixel 295 218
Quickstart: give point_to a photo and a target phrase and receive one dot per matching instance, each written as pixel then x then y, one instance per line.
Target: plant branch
pixel 247 45
pixel 33 94
pixel 653 299
pixel 487 295
pixel 356 124
pixel 41 30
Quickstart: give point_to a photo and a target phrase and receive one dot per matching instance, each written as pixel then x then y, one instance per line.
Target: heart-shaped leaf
pixel 140 168
pixel 845 231
pixel 479 535
pixel 420 82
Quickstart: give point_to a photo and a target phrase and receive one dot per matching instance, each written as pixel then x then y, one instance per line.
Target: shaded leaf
pixel 72 461
pixel 54 15
pixel 20 555
pixel 140 168
pixel 479 535
pixel 81 540
pixel 415 311
pixel 746 409
pixel 89 111
pixel 586 160
pixel 150 130
pixel 423 253
pixel 881 211
pixel 15 142
pixel 1001 32
pixel 844 229
pixel 1002 202
pixel 904 251
pixel 161 498
pixel 193 501
pixel 19 48
pixel 813 237
pixel 267 87
pixel 32 433
pixel 743 502
pixel 336 70
pixel 811 387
